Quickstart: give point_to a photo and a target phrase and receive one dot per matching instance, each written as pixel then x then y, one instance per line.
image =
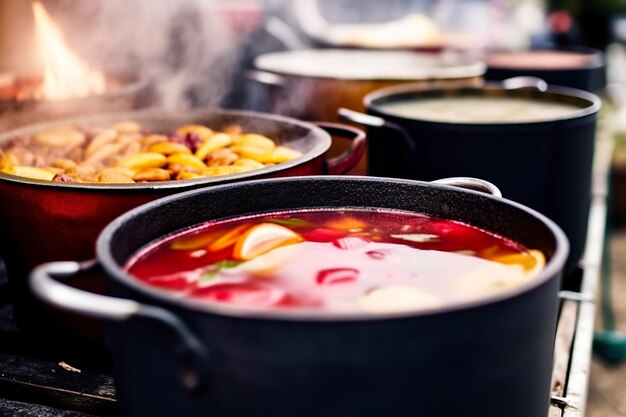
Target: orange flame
pixel 65 74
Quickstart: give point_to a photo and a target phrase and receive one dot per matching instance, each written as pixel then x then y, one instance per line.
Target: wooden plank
pixel 46 383
pixel 563 346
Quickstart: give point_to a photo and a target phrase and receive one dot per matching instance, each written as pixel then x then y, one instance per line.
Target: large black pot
pixel 487 358
pixel 544 165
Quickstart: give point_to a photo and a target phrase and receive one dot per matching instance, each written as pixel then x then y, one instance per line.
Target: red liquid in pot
pixel 349 260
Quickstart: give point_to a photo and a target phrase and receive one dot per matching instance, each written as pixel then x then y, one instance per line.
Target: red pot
pixel 42 221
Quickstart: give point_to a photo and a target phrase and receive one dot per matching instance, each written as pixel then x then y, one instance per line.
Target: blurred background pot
pixel 312 84
pixel 544 164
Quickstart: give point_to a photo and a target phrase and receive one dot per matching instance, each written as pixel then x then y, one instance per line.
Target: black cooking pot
pixel 176 356
pixel 545 165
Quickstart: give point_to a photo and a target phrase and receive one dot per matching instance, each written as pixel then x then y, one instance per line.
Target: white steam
pixel 185 47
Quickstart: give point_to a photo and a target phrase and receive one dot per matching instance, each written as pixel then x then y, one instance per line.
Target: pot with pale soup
pixel 327 296
pixel 536 144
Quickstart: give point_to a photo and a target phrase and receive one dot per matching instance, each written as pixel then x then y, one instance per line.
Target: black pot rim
pixel 595 103
pixel 320 148
pixel 552 269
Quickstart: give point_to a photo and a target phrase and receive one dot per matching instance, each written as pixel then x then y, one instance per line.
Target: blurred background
pixel 199 53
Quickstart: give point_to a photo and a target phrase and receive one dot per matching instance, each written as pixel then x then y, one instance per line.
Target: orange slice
pixel 195 242
pixel 229 238
pixel 346 223
pixel 262 238
pixel 532 261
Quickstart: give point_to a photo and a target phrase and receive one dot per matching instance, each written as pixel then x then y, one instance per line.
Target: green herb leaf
pixel 213 270
pixel 226 263
pixel 418 237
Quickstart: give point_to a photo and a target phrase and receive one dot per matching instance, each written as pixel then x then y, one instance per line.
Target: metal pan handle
pixel 44 283
pixel 469 183
pixel 379 122
pixel 351 157
pixel 525 82
pixel 266 78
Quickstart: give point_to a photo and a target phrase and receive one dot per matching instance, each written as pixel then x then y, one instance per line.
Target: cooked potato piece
pixel 124 153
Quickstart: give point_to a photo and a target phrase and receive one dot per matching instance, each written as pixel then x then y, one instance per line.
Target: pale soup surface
pixel 480 109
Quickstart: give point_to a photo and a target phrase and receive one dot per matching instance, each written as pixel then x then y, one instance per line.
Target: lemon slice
pixel 262 238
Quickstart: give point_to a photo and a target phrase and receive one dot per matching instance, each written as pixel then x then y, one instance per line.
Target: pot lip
pixel 552 269
pixel 595 103
pixel 320 148
pixel 468 67
pixel 596 58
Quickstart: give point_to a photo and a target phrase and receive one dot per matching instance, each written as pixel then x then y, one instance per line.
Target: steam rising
pixel 185 46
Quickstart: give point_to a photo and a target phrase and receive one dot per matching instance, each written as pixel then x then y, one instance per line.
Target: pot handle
pixel 347 160
pixel 44 283
pixel 378 122
pixel 525 82
pixel 266 78
pixel 469 183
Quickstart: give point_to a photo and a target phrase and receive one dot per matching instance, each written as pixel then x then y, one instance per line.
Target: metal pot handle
pixel 350 158
pixel 375 121
pixel 44 283
pixel 525 82
pixel 266 78
pixel 469 183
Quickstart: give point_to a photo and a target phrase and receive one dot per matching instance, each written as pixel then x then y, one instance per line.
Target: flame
pixel 65 74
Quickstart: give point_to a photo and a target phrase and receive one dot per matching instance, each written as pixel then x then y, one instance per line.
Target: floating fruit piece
pixel 229 238
pixel 336 276
pixel 30 172
pixel 243 294
pixel 250 152
pixel 532 261
pixel 194 242
pixel 213 143
pixel 184 175
pixel 262 238
pixel 350 242
pixel 397 298
pixel 488 278
pixel 266 265
pixel 186 159
pixel 225 170
pixel 417 237
pixel 169 148
pixel 116 175
pixel 279 155
pixel 256 141
pixel 202 131
pixel 346 223
pixel 249 163
pixel 152 174
pixel 143 160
